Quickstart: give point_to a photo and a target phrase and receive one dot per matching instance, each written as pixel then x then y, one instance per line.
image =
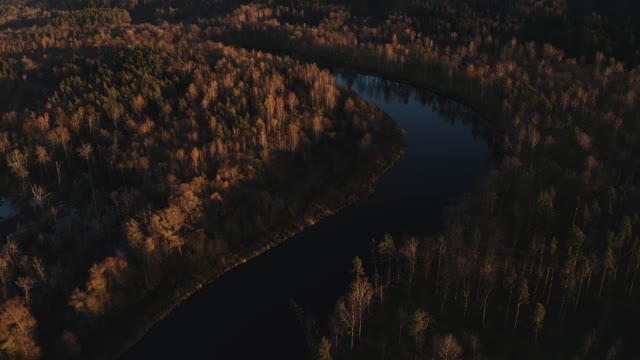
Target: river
pixel 246 314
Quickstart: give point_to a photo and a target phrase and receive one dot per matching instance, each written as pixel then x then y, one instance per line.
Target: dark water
pixel 246 313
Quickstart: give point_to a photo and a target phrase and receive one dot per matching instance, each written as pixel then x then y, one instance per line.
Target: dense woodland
pixel 148 154
pixel 147 159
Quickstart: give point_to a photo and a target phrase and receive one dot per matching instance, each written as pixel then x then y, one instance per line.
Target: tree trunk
pixel 352 338
pixel 466 300
pixel 535 290
pixel 626 274
pixel 484 306
pixel 633 280
pixel 546 279
pixel 549 293
pixel 515 322
pixel 579 289
pixel 506 311
pixel 438 274
pixel 575 213
pixel 444 298
pixel 604 274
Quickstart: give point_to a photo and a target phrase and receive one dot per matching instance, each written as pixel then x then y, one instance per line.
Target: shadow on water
pixel 246 314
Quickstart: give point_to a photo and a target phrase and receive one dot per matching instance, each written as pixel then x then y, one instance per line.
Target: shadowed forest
pixel 148 147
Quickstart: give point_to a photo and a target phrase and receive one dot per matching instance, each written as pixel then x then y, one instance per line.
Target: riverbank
pixel 425 80
pixel 140 320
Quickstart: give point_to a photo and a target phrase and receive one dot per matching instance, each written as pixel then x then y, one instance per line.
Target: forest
pixel 150 145
pixel 147 159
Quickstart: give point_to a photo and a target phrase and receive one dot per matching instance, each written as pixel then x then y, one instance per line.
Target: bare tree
pixel 347 316
pixel 59 171
pixel 39 268
pixel 39 194
pixel 410 251
pixel 26 284
pixel 466 292
pixel 360 295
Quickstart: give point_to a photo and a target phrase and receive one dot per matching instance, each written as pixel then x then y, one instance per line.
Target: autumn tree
pixel 537 320
pixel 387 251
pixel 324 350
pixel 17 331
pixel 104 280
pixel 358 267
pixel 447 348
pixel 419 324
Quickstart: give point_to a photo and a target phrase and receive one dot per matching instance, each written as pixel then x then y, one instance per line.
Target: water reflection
pixel 376 89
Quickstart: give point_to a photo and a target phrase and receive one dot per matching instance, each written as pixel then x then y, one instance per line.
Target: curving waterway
pixel 246 314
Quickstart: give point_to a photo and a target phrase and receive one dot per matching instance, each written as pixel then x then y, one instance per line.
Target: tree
pixel 509 283
pixel 324 349
pixel 537 320
pixel 522 299
pixel 488 276
pixel 347 317
pixel 358 268
pixel 39 194
pixel 441 248
pixel 350 309
pixel 5 272
pixel 86 151
pixel 17 331
pixel 360 295
pixel 387 250
pixel 466 292
pixel 589 163
pixel 419 324
pixel 42 155
pixel 104 278
pixel 409 251
pixel 26 284
pixel 447 348
pixel 167 224
pixel 39 268
pixel 533 137
pixel 17 162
